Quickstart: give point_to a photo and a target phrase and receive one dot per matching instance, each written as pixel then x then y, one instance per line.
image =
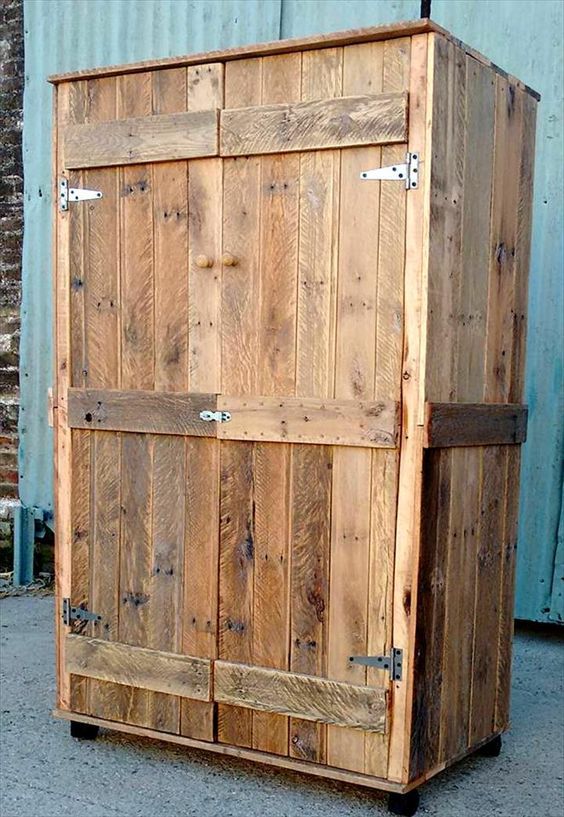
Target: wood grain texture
pixel 309 420
pixel 462 424
pixel 293 764
pixel 239 371
pixel 372 33
pixel 303 696
pixel 159 138
pixel 151 412
pixel 205 89
pixel 156 670
pixel 314 125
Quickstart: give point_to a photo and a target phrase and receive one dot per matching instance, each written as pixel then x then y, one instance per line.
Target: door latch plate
pixel 215 416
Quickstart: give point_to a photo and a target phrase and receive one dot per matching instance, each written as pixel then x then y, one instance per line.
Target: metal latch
pixel 71 613
pixel 407 172
pixel 68 194
pixel 215 416
pixel 392 662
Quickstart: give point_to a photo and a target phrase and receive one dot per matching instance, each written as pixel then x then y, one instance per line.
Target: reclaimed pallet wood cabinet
pixel 291 288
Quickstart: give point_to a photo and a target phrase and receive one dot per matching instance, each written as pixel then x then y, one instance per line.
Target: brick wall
pixel 11 234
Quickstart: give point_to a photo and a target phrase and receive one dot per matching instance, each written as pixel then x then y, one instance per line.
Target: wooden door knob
pixel 229 260
pixel 204 261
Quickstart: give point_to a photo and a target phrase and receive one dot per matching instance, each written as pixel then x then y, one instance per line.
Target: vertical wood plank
pixel 354 378
pixel 408 533
pixel 488 572
pixel 102 344
pixel 239 362
pixel 78 110
pixel 315 372
pixel 80 551
pixel 137 371
pixel 236 570
pixel 279 220
pixel 387 385
pixel 446 218
pixel 106 700
pixel 503 239
pixel 170 231
pixel 205 89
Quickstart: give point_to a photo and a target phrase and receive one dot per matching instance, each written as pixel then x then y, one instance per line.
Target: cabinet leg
pixel 84 731
pixel 404 804
pixel 491 749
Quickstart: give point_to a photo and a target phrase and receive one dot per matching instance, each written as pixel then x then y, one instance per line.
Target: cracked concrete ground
pixel 45 773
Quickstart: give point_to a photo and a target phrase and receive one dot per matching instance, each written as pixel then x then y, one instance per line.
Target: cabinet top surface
pixel 348 37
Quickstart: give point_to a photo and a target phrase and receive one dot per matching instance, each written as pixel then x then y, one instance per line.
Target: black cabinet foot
pixel 83 731
pixel 491 749
pixel 404 804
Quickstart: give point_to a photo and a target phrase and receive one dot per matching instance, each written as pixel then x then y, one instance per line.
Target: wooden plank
pixel 309 596
pixel 276 376
pixel 160 138
pixel 410 470
pixel 354 380
pixel 252 755
pixel 319 124
pixel 509 122
pixel 170 226
pixel 166 582
pixel 387 383
pixel 472 307
pixel 80 548
pixel 523 249
pixel 315 364
pixel 507 587
pixel 430 634
pixel 462 424
pixel 236 577
pixel 488 573
pixel 447 179
pixel 385 32
pixel 63 364
pixel 101 341
pixel 239 369
pixel 460 578
pixel 309 420
pixel 156 670
pixel 303 696
pixel 104 699
pixel 137 410
pixel 205 89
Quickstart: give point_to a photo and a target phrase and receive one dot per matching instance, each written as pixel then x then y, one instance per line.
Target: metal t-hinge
pixel 71 613
pixel 68 194
pixel 392 662
pixel 215 416
pixel 406 172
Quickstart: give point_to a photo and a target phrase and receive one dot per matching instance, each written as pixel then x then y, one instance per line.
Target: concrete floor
pixel 45 773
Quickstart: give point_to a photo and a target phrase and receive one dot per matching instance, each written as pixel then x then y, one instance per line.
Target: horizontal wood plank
pixel 323 123
pixel 309 420
pixel 461 424
pixel 151 412
pixel 301 696
pixel 165 137
pixel 119 663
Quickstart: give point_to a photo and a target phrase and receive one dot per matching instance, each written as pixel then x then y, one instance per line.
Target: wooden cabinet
pixel 288 399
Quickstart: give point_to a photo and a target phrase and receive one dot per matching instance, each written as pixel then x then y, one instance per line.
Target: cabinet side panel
pixel 481 182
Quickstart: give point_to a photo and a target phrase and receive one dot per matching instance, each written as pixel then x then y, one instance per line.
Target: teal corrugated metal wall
pixel 64 35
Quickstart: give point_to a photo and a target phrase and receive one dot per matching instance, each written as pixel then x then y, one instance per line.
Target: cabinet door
pixel 235 340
